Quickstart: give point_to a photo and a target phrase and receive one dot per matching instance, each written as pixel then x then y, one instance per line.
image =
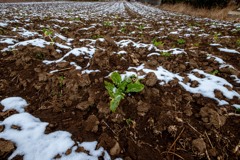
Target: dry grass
pixel 215 13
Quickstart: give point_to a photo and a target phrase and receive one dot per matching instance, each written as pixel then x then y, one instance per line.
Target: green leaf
pixel 110 88
pixel 116 78
pixel 135 87
pixel 114 103
pixel 123 85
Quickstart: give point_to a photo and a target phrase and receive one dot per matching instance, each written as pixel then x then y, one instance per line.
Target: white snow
pixel 236 79
pixel 77 67
pixel 27 33
pixel 32 142
pixel 3 24
pixel 16 103
pixel 8 40
pixel 87 71
pixel 215 44
pixel 228 50
pixel 175 32
pixel 87 51
pixel 62 46
pixel 162 74
pixel 122 52
pixel 208 85
pixel 222 63
pixel 34 42
pixel 236 106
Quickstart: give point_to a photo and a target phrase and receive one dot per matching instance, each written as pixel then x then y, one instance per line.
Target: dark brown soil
pixel 161 122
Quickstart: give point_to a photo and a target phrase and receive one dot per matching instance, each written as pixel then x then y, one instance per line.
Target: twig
pixel 207 155
pixel 62 70
pixel 166 152
pixel 176 140
pixel 208 139
pixel 194 129
pixel 232 114
pixel 109 127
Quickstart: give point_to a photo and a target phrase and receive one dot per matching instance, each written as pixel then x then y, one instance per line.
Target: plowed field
pixel 57 55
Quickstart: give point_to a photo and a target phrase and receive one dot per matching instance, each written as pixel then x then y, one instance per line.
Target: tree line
pixel 204 3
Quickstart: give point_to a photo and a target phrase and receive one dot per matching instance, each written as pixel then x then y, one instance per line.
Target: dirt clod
pixel 142 108
pixel 199 144
pixel 6 147
pixel 212 117
pixel 91 124
pixel 115 150
pixel 84 105
pixel 151 79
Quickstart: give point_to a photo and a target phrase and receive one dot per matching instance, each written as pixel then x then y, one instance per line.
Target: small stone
pixel 115 150
pixel 200 145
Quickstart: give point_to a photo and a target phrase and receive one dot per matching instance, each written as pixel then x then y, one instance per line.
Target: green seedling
pixel 119 88
pixel 107 23
pixel 215 37
pixel 61 79
pixel 123 29
pixel 61 83
pixel 181 41
pixel 48 33
pixel 141 27
pixel 97 36
pixel 157 43
pixel 215 72
pixel 166 54
pixel 196 44
pixel 76 19
pixel 129 121
pixel 238 42
pixel 1 31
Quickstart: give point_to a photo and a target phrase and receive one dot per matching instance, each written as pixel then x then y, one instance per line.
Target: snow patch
pixel 236 106
pixel 34 42
pixel 228 50
pixel 76 51
pixel 208 85
pixel 3 24
pixel 8 40
pixel 32 142
pixel 16 103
